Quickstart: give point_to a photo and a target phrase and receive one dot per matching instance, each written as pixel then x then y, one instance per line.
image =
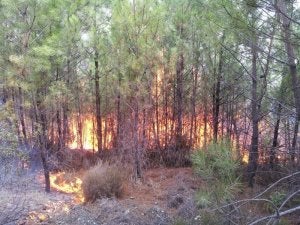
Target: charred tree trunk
pixel 137 150
pixel 22 117
pixel 275 137
pixel 98 99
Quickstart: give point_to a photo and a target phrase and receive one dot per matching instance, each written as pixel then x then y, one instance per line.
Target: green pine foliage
pixel 218 167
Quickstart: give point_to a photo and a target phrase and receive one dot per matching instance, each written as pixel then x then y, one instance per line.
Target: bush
pixel 277 199
pixel 217 166
pixel 217 162
pixel 101 181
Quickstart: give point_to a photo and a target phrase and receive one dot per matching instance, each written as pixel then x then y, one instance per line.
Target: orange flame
pixel 245 158
pixel 88 136
pixel 67 184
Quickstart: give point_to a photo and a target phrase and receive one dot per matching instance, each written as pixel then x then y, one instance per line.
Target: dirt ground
pixel 162 197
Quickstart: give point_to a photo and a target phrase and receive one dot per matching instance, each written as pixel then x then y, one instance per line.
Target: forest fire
pixel 156 130
pixel 67 183
pixel 83 134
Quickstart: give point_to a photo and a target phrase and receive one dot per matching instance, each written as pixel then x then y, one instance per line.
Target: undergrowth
pixel 217 166
pixel 103 180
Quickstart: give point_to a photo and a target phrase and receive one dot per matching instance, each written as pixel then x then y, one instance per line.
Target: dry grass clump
pixel 101 181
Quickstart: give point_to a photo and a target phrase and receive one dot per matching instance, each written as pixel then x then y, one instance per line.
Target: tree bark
pixel 42 139
pixel 59 133
pixel 22 117
pixel 281 8
pixel 137 150
pixel 217 92
pixel 193 104
pixel 253 154
pixel 98 105
pixel 275 137
pixel 179 101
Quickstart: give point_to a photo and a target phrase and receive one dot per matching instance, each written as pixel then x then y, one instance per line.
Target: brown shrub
pixel 103 181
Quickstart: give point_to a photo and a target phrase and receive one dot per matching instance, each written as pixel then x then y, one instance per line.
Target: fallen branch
pixel 289 211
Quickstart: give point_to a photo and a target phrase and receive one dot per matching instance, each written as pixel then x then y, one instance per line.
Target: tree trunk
pixel 98 109
pixel 217 97
pixel 294 142
pixel 286 29
pixel 118 135
pixel 42 139
pixel 275 137
pixel 22 117
pixel 193 104
pixel 137 150
pixel 65 133
pixel 59 133
pixel 157 132
pixel 179 101
pixel 253 155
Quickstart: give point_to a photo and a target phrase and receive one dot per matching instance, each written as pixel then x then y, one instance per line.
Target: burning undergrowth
pixel 69 183
pixel 102 180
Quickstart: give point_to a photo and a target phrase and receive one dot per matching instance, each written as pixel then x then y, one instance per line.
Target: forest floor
pixel 163 196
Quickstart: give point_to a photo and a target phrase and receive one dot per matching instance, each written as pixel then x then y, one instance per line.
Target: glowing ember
pixel 245 158
pixel 37 216
pixel 67 184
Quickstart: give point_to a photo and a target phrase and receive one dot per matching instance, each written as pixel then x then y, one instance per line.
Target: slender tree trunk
pixel 65 110
pixel 118 136
pixel 22 117
pixel 42 138
pixel 106 120
pixel 98 109
pixel 217 97
pixel 44 157
pixel 137 150
pixel 143 144
pixel 281 7
pixel 205 121
pixel 179 101
pixel 16 110
pixel 157 112
pixel 79 124
pixel 193 104
pixel 65 132
pixel 59 128
pixel 275 137
pixel 294 141
pixel 253 155
pixel 166 113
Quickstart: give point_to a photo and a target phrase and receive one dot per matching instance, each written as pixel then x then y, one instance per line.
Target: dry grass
pixel 103 180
